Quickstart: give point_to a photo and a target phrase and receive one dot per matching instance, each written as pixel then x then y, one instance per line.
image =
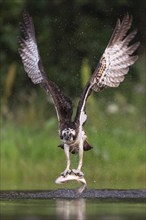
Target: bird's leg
pixel 78 171
pixel 67 170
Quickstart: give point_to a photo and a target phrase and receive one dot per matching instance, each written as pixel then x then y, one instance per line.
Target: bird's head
pixel 68 135
pixel 68 132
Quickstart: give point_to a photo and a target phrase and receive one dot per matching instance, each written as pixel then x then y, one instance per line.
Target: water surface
pixel 63 209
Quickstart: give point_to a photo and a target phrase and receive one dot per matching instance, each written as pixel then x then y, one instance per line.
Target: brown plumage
pixel 110 72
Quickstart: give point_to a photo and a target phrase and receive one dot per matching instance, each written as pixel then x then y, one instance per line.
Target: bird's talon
pixel 66 172
pixel 77 172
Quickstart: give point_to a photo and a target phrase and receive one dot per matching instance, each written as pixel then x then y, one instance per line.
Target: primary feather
pixel 113 65
pixel 34 68
pixel 117 57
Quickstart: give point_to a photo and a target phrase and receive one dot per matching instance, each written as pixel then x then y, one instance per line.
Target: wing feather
pixel 114 63
pixel 33 66
pixel 121 30
pixel 117 57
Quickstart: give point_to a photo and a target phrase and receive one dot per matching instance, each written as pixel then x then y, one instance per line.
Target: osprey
pixel 110 72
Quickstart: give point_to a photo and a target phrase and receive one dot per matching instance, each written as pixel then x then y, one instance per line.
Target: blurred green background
pixel 71 36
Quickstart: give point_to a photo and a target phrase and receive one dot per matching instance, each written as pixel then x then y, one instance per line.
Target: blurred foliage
pixel 67 33
pixel 30 158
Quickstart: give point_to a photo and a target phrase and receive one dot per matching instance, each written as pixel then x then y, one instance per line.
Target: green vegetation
pixel 30 158
pixel 71 36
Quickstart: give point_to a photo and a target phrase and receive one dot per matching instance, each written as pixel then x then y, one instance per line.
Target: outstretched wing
pixel 113 65
pixel 34 68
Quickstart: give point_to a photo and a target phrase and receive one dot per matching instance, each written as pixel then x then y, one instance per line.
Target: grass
pixel 30 158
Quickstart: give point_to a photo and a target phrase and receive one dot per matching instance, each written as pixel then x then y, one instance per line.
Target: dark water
pixel 80 209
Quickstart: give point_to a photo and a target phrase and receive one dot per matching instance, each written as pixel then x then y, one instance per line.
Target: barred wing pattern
pixel 33 66
pixel 113 65
pixel 29 51
pixel 117 57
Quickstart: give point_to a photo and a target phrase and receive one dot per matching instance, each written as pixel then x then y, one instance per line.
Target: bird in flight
pixel 110 72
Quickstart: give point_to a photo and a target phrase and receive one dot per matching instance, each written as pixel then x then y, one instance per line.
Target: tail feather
pixel 75 148
pixel 87 146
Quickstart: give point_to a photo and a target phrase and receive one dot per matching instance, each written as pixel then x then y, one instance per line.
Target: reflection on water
pixel 74 209
pixel 79 209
